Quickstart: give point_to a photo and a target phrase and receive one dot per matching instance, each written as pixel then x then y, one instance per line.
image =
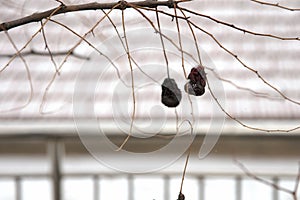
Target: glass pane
pixel 148 188
pixel 114 188
pixel 190 188
pixel 219 188
pixel 7 189
pixel 77 189
pixel 36 189
pixel 253 189
pixel 288 183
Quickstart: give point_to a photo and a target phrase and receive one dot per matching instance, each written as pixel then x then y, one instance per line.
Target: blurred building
pixel 59 132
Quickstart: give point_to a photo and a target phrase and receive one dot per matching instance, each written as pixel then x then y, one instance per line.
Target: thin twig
pixel 232 54
pixel 185 166
pixel 48 49
pixel 18 53
pixel 242 123
pixel 187 157
pixel 162 44
pixel 177 121
pixel 92 46
pixel 238 28
pixel 164 36
pixel 261 180
pixel 245 65
pixel 124 47
pixel 28 42
pixel 253 92
pixel 174 44
pixel 33 52
pixel 199 59
pixel 297 181
pixel 27 73
pixel 194 36
pixel 59 1
pixel 276 5
pixel 132 85
pixel 179 41
pixel 36 17
pixel 82 38
pixel 221 22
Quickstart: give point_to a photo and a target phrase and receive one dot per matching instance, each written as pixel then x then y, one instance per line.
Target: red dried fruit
pixel 197 81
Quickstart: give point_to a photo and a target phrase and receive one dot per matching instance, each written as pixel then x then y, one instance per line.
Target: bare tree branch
pixel 132 84
pixel 261 180
pixel 227 50
pixel 140 6
pixel 253 92
pixel 42 53
pixel 221 22
pixel 123 45
pixel 187 158
pixel 28 42
pixel 239 28
pixel 245 65
pixel 297 181
pixel 48 48
pixel 82 38
pixel 179 41
pixel 59 1
pixel 242 123
pixel 194 36
pixel 92 46
pixel 276 5
pixel 28 74
pixel 36 17
pixel 162 43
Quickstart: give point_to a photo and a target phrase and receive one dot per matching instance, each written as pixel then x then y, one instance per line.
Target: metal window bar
pixel 275 192
pixel 55 148
pixel 238 188
pixel 96 187
pixel 18 188
pixel 201 187
pixel 130 187
pixel 166 187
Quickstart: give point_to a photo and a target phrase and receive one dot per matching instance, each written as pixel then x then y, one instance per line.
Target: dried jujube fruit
pixel 197 81
pixel 181 196
pixel 170 95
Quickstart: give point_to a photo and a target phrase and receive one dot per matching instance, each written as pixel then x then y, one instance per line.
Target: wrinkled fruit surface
pixel 170 95
pixel 197 81
pixel 181 196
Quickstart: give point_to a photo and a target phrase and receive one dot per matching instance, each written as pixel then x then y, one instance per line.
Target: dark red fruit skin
pixel 197 81
pixel 198 76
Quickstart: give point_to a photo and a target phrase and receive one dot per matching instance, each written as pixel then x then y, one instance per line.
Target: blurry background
pixel 42 156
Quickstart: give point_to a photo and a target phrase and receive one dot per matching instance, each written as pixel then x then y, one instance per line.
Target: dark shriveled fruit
pixel 197 81
pixel 170 95
pixel 181 196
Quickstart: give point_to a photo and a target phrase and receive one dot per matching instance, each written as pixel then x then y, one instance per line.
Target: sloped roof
pixel 240 91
